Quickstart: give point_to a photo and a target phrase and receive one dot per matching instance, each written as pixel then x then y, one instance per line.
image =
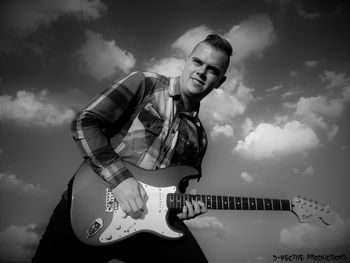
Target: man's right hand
pixel 131 197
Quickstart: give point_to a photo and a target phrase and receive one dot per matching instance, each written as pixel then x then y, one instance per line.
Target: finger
pixel 203 207
pixel 125 207
pixel 190 212
pixel 143 192
pixel 133 206
pixel 183 215
pixel 196 207
pixel 193 191
pixel 139 203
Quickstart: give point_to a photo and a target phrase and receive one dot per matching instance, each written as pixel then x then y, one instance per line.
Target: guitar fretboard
pixel 219 202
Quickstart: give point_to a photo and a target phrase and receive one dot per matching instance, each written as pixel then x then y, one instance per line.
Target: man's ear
pixel 222 80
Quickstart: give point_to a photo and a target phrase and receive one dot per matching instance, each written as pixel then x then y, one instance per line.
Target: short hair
pixel 219 43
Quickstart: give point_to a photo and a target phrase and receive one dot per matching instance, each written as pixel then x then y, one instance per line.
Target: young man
pixel 152 122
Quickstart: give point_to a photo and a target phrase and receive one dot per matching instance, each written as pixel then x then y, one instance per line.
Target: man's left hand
pixel 191 210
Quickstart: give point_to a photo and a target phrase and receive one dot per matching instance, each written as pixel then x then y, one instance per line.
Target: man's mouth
pixel 197 81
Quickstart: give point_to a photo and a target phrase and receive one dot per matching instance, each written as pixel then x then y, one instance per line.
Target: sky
pixel 278 127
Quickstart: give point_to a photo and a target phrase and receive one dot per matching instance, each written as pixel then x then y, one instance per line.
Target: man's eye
pixel 196 62
pixel 213 71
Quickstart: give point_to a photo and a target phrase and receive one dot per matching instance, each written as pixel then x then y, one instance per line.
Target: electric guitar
pixel 98 220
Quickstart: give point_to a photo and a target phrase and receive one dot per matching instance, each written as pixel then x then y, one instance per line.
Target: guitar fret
pixel 238 203
pixel 209 202
pixel 219 201
pixel 245 203
pixel 214 203
pixel 276 204
pixel 285 205
pixel 179 201
pixel 252 203
pixel 260 204
pixel 225 201
pixel 231 203
pixel 268 204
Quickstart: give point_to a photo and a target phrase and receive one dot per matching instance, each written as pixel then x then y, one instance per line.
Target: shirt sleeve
pixel 94 122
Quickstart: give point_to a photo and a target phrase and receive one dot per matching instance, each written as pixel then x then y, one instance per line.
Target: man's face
pixel 204 70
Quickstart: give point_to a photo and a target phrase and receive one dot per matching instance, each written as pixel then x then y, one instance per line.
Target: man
pixel 152 122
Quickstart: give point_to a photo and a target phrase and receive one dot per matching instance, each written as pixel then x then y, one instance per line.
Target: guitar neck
pixel 221 202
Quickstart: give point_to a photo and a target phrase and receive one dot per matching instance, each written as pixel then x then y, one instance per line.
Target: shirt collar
pixel 175 87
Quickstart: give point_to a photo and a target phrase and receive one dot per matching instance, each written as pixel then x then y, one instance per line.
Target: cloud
pixel 334 79
pixel 307 171
pixel 247 126
pixel 302 12
pixel 251 37
pixel 208 223
pixel 312 110
pixel 299 8
pixel 101 58
pixel 246 177
pixel 317 237
pixel 170 67
pixel 190 38
pixel 18 243
pixel 222 130
pixel 311 63
pixel 346 93
pixel 27 108
pixel 291 92
pixel 269 141
pixel 274 88
pixel 221 107
pixel 20 19
pixel 12 183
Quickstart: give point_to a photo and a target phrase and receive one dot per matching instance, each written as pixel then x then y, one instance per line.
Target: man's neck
pixel 188 105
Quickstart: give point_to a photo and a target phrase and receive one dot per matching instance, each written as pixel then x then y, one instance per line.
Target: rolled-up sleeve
pixel 90 126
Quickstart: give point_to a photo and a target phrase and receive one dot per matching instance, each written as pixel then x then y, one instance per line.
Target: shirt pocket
pixel 187 150
pixel 152 123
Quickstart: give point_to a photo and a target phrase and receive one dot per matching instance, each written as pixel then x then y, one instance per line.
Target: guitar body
pixel 97 218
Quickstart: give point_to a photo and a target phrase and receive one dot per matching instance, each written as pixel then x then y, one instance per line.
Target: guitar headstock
pixel 308 210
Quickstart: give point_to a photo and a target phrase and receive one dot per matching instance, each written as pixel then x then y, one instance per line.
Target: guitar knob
pixel 118 227
pixel 108 236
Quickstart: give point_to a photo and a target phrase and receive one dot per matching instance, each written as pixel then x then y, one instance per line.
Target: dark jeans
pixel 59 244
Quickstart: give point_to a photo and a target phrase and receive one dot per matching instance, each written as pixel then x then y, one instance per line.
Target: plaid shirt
pixel 140 119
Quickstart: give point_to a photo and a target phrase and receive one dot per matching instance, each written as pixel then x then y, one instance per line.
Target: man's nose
pixel 201 72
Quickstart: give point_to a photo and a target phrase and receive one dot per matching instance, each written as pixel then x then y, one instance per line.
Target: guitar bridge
pixel 111 203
